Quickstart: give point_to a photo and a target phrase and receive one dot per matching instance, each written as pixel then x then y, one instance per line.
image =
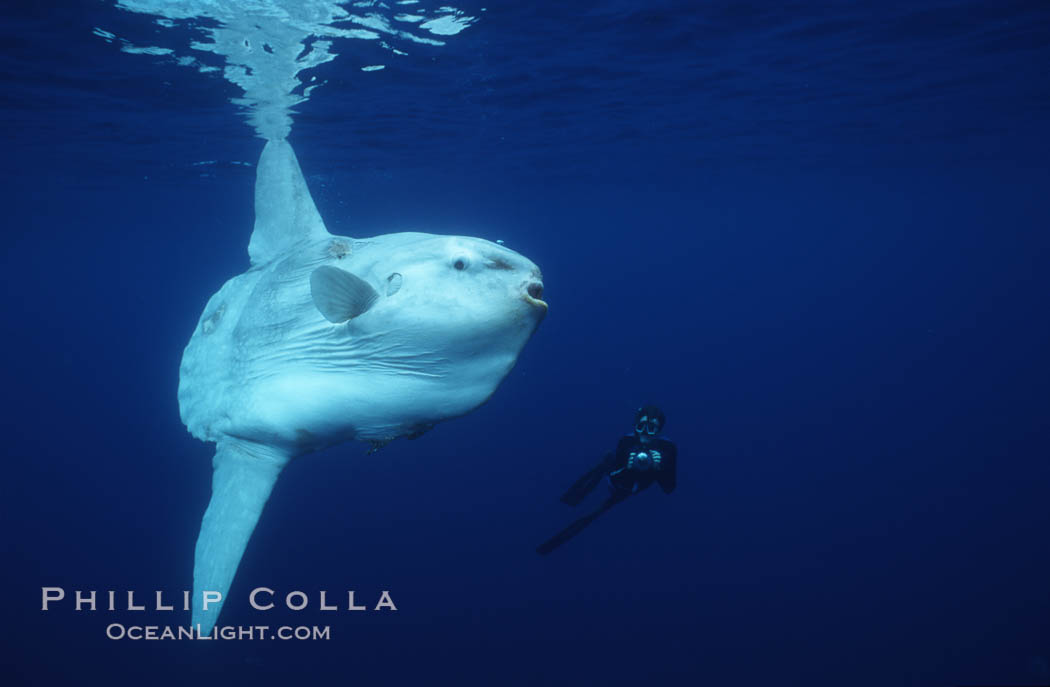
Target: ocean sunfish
pixel 328 338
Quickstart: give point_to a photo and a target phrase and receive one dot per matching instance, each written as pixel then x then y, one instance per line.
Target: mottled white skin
pixel 268 378
pixel 265 366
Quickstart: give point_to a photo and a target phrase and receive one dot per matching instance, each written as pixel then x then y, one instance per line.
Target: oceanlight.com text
pixel 118 631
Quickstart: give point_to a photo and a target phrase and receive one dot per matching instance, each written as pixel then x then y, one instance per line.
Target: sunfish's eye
pixel 461 264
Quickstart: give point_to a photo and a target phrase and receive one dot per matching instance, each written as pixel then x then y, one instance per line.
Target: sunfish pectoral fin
pixel 340 295
pixel 241 483
pixel 285 213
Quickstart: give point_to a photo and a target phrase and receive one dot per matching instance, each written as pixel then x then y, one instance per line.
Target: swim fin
pixel 576 527
pixel 586 484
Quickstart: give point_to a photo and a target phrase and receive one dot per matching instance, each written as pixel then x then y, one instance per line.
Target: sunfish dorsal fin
pixel 285 213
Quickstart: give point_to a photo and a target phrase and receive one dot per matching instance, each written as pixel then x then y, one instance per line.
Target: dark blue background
pixel 815 232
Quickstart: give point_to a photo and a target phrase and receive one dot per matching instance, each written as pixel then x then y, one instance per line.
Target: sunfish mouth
pixel 534 294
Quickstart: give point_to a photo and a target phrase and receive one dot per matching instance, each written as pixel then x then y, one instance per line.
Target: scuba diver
pixel 640 459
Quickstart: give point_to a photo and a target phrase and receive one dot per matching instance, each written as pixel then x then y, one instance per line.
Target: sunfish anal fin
pixel 340 295
pixel 285 214
pixel 243 479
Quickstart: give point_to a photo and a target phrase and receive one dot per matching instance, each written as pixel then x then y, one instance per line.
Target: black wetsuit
pixel 626 481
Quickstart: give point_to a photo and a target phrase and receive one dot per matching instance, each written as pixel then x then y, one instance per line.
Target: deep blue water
pixel 814 232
